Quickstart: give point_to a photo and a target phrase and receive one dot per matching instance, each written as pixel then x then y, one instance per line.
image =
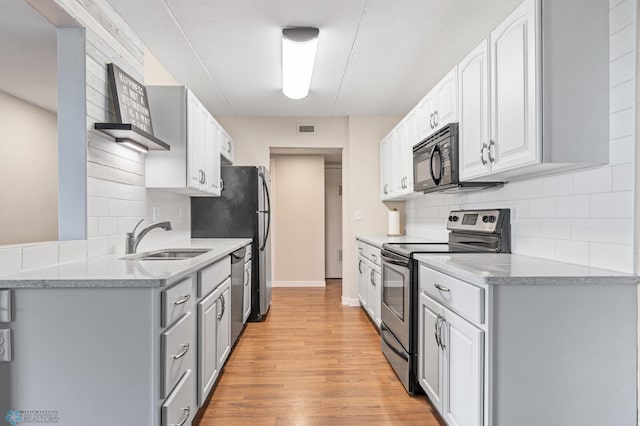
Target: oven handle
pixel 384 329
pixel 386 259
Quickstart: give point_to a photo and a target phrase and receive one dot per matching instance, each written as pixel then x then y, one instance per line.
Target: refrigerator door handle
pixel 267 212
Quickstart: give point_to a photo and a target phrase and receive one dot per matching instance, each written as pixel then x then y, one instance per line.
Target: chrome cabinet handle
pixel 484 146
pixel 246 279
pixel 221 185
pixel 441 287
pixel 385 188
pixel 491 143
pixel 372 277
pixel 431 121
pixel 360 265
pixel 185 349
pixel 375 257
pixel 204 179
pixel 224 308
pixel 435 119
pixel 187 413
pixel 442 345
pixel 182 300
pixel 436 330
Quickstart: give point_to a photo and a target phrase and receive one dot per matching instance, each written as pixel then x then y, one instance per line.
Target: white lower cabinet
pixel 223 327
pixel 370 281
pixel 246 303
pixel 177 409
pixel 429 353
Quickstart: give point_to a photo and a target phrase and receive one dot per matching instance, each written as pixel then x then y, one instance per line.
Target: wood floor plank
pixel 312 362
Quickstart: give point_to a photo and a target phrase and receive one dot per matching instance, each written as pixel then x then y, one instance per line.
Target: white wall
pixel 297 188
pixel 116 197
pixel 28 172
pixel 583 217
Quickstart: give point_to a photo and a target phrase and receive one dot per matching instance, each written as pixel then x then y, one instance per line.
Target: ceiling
pixel 374 56
pixel 28 64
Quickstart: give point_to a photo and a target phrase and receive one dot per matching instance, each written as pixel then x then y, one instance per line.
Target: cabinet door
pixel 407 149
pixel 446 100
pixel 196 130
pixel 246 302
pixel 224 323
pixel 514 104
pixel 463 372
pixel 375 296
pixel 473 79
pixel 429 353
pixel 363 287
pixel 212 174
pixel 207 345
pixel 426 110
pixel 385 161
pixel 397 173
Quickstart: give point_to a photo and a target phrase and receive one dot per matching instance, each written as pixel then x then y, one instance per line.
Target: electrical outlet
pixel 357 215
pixel 156 212
pixel 5 344
pixel 514 215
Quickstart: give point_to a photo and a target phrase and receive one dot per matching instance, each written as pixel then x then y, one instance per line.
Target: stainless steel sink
pixel 169 254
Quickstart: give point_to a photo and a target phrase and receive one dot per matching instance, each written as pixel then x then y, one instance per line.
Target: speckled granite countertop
pixel 117 271
pixel 513 269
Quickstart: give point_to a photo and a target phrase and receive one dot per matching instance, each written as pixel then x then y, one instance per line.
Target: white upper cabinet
pixel 545 70
pixel 192 166
pixel 440 106
pixel 514 104
pixel 474 132
pixel 396 159
pixel 227 148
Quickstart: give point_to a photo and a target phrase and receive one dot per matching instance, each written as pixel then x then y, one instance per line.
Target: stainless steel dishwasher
pixel 237 293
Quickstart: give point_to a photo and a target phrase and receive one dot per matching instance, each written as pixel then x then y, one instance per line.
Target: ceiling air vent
pixel 307 129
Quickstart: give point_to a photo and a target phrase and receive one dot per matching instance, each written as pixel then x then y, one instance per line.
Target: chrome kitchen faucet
pixel 133 240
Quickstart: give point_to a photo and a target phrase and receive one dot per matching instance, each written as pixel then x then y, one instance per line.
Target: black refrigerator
pixel 241 211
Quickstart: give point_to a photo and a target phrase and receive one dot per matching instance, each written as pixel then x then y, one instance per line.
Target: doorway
pixel 306 186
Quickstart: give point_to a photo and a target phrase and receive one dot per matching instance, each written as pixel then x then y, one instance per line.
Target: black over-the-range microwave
pixel 435 163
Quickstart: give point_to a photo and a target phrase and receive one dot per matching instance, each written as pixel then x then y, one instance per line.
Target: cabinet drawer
pixel 176 301
pixel 370 252
pixel 463 298
pixel 177 409
pixel 177 349
pixel 212 276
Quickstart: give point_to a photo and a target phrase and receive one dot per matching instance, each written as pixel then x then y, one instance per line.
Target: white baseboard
pixel 299 284
pixel 350 302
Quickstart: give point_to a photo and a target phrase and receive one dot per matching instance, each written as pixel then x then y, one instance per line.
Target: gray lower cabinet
pixel 129 355
pixel 214 338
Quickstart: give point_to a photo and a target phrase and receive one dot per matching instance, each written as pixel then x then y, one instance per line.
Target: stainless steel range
pixel 470 231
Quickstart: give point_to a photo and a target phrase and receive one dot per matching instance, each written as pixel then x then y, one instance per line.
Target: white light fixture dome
pixel 299 47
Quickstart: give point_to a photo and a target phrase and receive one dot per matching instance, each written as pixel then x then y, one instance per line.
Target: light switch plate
pixel 5 306
pixel 5 344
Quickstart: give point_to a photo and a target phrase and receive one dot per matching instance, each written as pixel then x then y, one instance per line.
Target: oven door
pixel 396 296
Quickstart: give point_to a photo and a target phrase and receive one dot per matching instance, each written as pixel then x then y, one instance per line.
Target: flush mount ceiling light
pixel 298 55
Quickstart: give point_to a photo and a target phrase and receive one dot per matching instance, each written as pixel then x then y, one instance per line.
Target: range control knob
pixel 454 218
pixel 450 218
pixel 485 219
pixel 492 219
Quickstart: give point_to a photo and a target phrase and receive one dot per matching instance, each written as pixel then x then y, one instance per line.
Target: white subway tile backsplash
pixel 39 256
pixel 622 150
pixel 557 185
pixel 573 206
pixel 527 228
pixel 622 231
pixel 622 96
pixel 622 123
pixel 10 260
pixel 118 208
pixel 542 207
pixel 557 228
pixel 621 70
pixel 590 230
pixel 612 204
pixel 70 251
pixel 107 226
pixel 527 189
pixel 572 252
pixel 92 227
pixel 621 16
pixel 611 256
pixel 623 177
pixel 622 42
pixel 97 206
pixel 592 181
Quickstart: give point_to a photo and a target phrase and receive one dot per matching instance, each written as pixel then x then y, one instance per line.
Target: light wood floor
pixel 312 362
